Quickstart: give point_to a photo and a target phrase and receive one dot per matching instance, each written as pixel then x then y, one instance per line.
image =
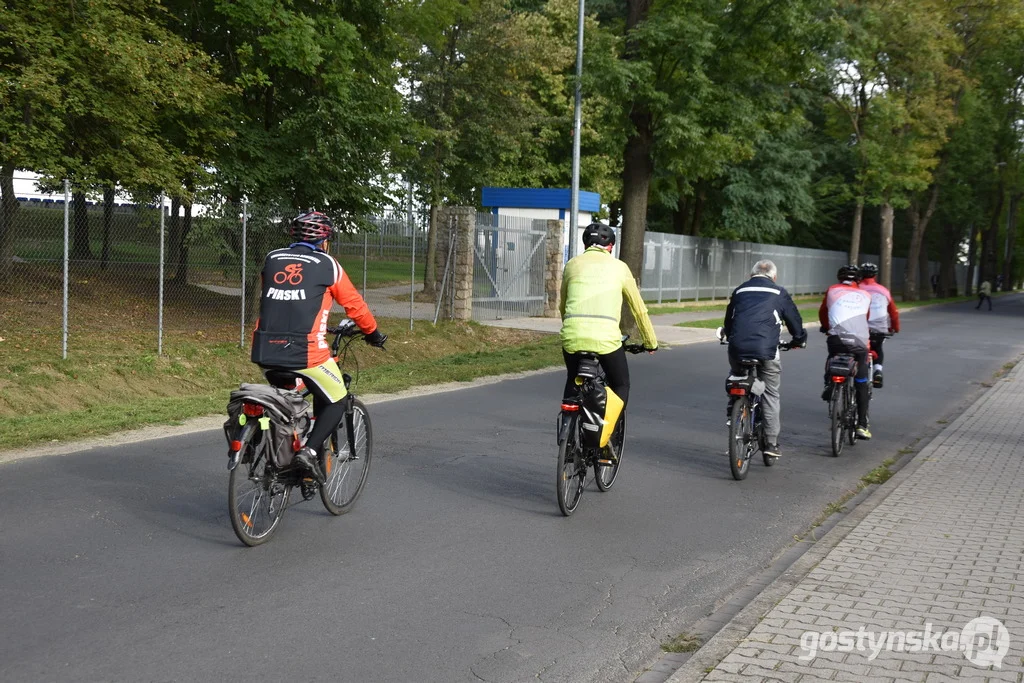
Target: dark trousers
pixel 616 372
pixel 981 300
pixel 860 381
pixel 877 339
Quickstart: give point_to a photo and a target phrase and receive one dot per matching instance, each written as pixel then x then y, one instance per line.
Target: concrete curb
pixel 763 597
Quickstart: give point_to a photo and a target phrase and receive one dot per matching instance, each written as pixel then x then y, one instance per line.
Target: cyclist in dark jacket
pixel 753 322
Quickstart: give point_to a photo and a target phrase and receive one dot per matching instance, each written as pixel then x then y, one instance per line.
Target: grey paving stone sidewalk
pixel 936 570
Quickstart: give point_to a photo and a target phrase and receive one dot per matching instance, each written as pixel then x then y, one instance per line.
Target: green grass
pixel 113 379
pixel 810 313
pixel 711 306
pixel 684 642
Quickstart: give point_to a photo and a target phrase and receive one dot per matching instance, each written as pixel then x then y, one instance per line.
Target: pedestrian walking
pixel 984 293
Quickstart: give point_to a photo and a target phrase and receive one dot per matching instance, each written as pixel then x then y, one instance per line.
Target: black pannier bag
pixel 841 365
pixel 286 413
pixel 595 400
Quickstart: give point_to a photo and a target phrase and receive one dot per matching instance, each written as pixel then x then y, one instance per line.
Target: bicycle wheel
pixel 851 414
pixel 604 475
pixel 740 437
pixel 346 468
pixel 256 500
pixel 572 471
pixel 837 409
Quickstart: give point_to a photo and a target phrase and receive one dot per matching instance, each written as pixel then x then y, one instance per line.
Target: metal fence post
pixel 160 313
pixel 64 321
pixel 660 261
pixel 366 247
pixel 696 259
pixel 245 227
pixel 412 268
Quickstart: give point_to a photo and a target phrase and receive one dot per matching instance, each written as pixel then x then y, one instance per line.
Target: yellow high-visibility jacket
pixel 593 285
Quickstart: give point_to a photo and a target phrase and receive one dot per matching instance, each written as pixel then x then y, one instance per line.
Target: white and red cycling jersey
pixel 884 316
pixel 845 312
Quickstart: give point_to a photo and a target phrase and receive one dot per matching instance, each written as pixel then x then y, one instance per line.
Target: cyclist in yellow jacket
pixel 593 285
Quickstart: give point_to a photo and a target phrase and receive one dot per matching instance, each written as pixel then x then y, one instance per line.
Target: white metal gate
pixel 508 267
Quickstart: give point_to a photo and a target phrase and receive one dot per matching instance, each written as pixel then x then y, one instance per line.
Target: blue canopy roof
pixel 539 198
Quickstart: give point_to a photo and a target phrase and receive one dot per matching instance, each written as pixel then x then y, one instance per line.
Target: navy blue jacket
pixel 754 318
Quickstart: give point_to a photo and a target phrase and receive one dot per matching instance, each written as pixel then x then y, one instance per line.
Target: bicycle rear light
pixel 838 379
pixel 570 407
pixel 252 409
pixel 737 391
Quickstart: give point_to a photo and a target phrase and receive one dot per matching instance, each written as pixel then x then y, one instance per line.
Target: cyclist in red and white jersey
pixel 300 285
pixel 844 315
pixel 885 318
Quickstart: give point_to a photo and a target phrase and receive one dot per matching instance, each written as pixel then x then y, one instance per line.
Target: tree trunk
pixel 918 223
pixel 989 239
pixel 698 211
pixel 430 269
pixel 858 220
pixel 108 218
pixel 972 261
pixel 180 247
pixel 885 246
pixel 1011 241
pixel 80 249
pixel 947 261
pixel 8 210
pixel 638 165
pixel 680 214
pixel 924 279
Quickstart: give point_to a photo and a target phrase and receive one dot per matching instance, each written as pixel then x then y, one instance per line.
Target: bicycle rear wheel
pixel 740 437
pixel 837 409
pixel 851 414
pixel 256 500
pixel 347 466
pixel 572 470
pixel 604 475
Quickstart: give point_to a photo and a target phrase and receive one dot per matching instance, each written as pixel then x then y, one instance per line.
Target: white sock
pixel 878 367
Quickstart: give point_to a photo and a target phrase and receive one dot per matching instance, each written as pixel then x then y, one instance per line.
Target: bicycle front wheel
pixel 604 475
pixel 572 471
pixel 837 409
pixel 347 465
pixel 740 435
pixel 256 500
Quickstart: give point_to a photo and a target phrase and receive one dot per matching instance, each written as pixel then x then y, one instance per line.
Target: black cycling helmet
pixel 311 226
pixel 848 272
pixel 599 234
pixel 868 270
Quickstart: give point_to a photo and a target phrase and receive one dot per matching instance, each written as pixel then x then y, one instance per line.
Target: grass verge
pixel 684 642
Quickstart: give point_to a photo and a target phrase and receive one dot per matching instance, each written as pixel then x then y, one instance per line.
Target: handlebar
pixel 783 345
pixel 635 348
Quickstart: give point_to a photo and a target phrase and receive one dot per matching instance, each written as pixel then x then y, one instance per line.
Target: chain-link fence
pixel 678 267
pixel 90 270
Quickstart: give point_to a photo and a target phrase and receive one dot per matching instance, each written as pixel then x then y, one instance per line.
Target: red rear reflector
pixel 838 379
pixel 737 391
pixel 236 445
pixel 252 409
pixel 570 407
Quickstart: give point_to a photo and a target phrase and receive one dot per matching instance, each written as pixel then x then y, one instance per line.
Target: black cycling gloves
pixel 377 339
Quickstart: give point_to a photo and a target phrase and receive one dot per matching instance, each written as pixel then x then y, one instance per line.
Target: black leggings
pixel 616 372
pixel 328 415
pixel 877 338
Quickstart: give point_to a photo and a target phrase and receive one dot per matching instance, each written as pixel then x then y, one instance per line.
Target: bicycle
pixel 259 490
pixel 842 404
pixel 746 428
pixel 575 458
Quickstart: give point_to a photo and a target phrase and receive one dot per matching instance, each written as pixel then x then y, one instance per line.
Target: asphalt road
pixel 120 564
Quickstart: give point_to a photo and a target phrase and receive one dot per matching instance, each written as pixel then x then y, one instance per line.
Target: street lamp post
pixel 574 203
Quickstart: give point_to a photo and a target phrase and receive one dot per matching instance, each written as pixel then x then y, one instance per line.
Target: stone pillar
pixel 457 294
pixel 553 268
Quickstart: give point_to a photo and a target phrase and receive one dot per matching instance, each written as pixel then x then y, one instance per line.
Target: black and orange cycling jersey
pixel 300 284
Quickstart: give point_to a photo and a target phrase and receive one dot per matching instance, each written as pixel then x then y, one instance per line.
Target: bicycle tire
pixel 851 414
pixel 345 478
pixel 837 409
pixel 604 475
pixel 740 434
pixel 571 476
pixel 255 505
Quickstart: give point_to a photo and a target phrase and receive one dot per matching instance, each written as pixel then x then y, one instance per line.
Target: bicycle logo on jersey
pixel 292 274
